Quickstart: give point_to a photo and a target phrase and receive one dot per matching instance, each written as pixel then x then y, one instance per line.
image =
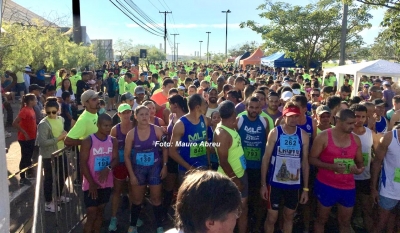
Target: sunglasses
pixel 315 95
pixel 53 112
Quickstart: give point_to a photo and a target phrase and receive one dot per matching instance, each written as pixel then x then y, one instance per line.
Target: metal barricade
pixel 38 206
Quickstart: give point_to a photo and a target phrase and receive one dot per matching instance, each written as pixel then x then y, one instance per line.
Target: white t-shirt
pixel 59 94
pixel 135 105
pixel 174 230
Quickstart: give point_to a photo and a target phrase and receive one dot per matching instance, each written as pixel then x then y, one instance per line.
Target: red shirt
pixel 160 98
pixel 27 123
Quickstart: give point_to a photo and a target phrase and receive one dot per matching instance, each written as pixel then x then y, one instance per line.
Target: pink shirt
pixel 332 153
pixel 99 158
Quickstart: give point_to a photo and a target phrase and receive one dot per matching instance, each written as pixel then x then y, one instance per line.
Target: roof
pixel 375 68
pixel 15 13
pixel 255 58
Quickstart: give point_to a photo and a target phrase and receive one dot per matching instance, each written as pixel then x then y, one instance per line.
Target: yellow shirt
pixel 130 87
pixel 84 126
pixel 57 127
pixel 20 77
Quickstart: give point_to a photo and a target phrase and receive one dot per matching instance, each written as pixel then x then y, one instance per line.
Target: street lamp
pixel 200 48
pixel 177 51
pixel 208 40
pixel 226 33
pixel 174 45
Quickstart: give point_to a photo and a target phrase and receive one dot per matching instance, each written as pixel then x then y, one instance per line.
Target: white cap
pixel 181 88
pixel 286 84
pixel 133 65
pixel 296 91
pixel 286 95
pixel 28 69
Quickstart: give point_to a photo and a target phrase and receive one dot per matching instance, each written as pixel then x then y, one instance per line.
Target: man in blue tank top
pixel 285 169
pixel 253 130
pixel 189 137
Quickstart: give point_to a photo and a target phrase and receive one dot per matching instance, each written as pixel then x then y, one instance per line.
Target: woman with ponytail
pixel 50 138
pixel 25 123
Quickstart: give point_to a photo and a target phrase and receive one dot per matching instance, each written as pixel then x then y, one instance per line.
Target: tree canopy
pixel 312 32
pixel 240 49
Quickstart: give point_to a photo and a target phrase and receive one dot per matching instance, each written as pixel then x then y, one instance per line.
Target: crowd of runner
pixel 294 142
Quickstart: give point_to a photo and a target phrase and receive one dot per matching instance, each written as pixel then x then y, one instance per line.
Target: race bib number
pixel 289 142
pixel 243 161
pixel 347 162
pixel 198 150
pixel 252 154
pixel 145 159
pixel 397 175
pixel 365 158
pixel 121 156
pixel 101 162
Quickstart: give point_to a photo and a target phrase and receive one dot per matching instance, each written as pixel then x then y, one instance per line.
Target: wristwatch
pixel 109 167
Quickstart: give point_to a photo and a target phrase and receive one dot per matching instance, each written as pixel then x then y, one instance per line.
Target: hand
pixel 165 131
pixel 62 136
pixel 304 197
pixel 238 183
pixel 339 168
pixel 103 176
pixel 164 172
pixel 264 192
pixel 375 195
pixel 133 180
pixel 93 190
pixel 355 170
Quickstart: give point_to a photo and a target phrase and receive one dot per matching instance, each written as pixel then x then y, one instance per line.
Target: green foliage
pixel 386 46
pixel 391 4
pixel 153 54
pixel 240 49
pixel 40 45
pixel 310 32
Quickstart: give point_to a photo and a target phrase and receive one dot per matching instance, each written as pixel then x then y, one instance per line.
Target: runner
pixel 120 172
pixel 146 166
pixel 273 104
pixel 212 101
pixel 337 154
pixel 190 131
pixel 232 162
pixel 381 124
pixel 253 130
pixel 99 155
pixel 389 182
pixel 153 119
pixel 215 120
pixel 323 113
pixel 284 166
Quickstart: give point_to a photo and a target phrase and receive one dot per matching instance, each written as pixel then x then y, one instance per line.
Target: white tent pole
pixel 356 84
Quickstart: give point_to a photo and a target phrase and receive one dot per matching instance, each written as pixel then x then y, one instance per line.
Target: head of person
pixel 323 113
pixel 215 118
pixel 196 104
pixel 345 120
pixel 124 112
pixel 51 107
pixel 86 75
pixel 240 83
pixel 315 95
pixel 227 113
pixel 192 90
pixel 182 74
pixel 139 93
pixel 366 87
pixel 200 76
pixel 375 92
pixel 161 73
pixel 333 102
pixel 221 81
pixel 74 71
pixel 177 102
pixel 360 111
pixel 355 100
pixel 273 101
pixel 301 102
pixel 344 105
pixel 128 98
pixel 296 88
pixel 291 113
pixel 212 96
pixel 49 90
pixel 29 100
pixel 90 99
pixel 66 96
pixel 253 106
pixel 142 114
pixel 344 92
pixel 151 106
pixel 207 202
pixel 326 92
pixel 66 85
pixel 188 82
pixel 128 77
pixel 377 82
pixel 370 108
pixel 379 107
pixel 104 124
pixel 233 96
pixel 167 85
pixel 231 80
pixel 260 95
pixel 36 89
pixel 248 91
pixel 396 102
pixel 181 90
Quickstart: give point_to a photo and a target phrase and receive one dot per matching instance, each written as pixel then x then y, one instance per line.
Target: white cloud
pixel 192 25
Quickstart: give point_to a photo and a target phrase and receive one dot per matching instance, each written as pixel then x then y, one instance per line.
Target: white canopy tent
pixel 381 68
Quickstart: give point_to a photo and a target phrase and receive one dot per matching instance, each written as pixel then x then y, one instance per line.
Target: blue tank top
pixel 308 127
pixel 145 153
pixel 285 165
pixel 121 143
pixel 192 148
pixel 381 126
pixel 210 134
pixel 253 137
pixel 156 121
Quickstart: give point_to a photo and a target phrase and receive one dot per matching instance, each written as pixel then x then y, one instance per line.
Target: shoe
pixel 51 207
pixel 139 223
pixel 64 199
pixel 132 229
pixel 160 230
pixel 25 181
pixel 113 224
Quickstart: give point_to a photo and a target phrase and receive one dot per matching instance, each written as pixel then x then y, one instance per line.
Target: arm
pixel 166 113
pixel 377 163
pixel 394 119
pixel 318 146
pixel 160 137
pixel 75 133
pixel 84 158
pixel 272 137
pixel 267 127
pixel 42 134
pixel 15 124
pixel 359 161
pixel 305 166
pixel 115 155
pixel 127 154
pixel 177 134
pixel 314 126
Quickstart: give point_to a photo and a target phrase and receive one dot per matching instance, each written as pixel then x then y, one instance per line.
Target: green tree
pixel 386 47
pixel 312 32
pixel 391 4
pixel 240 49
pixel 153 54
pixel 124 48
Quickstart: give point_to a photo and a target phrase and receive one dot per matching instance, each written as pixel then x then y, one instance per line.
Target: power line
pixel 166 5
pixel 133 19
pixel 154 6
pixel 161 4
pixel 144 15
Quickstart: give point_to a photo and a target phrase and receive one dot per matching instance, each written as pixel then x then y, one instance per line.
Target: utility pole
pixel 208 41
pixel 177 52
pixel 76 21
pixel 343 36
pixel 165 29
pixel 200 49
pixel 174 44
pixel 226 33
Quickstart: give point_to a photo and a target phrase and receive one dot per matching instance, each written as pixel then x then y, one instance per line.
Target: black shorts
pixel 103 196
pixel 254 177
pixel 172 166
pixel 363 187
pixel 291 198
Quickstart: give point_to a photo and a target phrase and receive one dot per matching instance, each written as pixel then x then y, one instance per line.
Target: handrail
pixel 38 195
pixel 23 170
pixel 58 152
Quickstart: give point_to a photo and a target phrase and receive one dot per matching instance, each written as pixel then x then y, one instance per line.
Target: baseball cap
pixel 139 90
pixel 87 95
pixel 286 79
pixel 124 107
pixel 322 109
pixel 366 85
pixel 296 91
pixel 386 83
pixel 291 111
pixel 28 68
pixel 286 95
pixel 175 77
pixel 377 80
pixel 181 88
pixel 127 96
pixel 378 102
pixel 35 87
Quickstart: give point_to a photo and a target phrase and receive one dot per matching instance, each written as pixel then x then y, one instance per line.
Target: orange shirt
pixel 159 98
pixel 27 123
pixel 135 73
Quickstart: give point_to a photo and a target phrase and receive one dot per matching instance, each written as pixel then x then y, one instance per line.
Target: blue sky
pixel 191 19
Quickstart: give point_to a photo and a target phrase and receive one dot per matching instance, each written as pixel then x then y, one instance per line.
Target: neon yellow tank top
pixel 235 154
